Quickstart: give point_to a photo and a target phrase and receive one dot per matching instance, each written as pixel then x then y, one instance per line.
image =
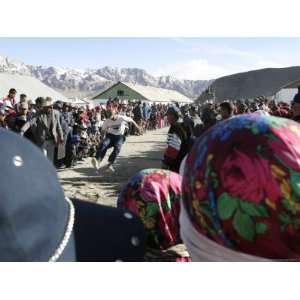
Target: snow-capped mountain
pixel 91 81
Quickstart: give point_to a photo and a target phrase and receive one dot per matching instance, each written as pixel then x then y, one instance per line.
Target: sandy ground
pixel 138 152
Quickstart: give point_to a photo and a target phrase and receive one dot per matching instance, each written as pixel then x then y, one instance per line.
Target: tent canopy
pixel 128 91
pixel 30 86
pixel 288 92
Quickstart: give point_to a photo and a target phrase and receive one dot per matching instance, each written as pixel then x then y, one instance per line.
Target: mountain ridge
pixel 89 82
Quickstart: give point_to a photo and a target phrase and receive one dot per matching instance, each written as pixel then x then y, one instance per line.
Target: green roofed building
pixel 136 92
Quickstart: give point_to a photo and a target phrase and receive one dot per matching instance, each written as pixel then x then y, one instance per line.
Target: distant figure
pixel 208 117
pixel 138 114
pixel 197 122
pixel 21 117
pixel 11 97
pixel 23 99
pixel 227 110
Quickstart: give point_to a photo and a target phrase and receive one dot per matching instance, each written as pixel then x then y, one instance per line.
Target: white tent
pixel 286 95
pixel 287 92
pixel 30 86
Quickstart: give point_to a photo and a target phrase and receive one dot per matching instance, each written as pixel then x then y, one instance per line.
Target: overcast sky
pixel 184 58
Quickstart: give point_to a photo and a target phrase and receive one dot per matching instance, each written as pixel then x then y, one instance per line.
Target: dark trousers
pixel 111 140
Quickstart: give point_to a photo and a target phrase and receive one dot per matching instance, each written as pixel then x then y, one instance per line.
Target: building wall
pixel 128 94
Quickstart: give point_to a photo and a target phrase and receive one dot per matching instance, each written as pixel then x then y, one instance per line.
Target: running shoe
pixel 95 163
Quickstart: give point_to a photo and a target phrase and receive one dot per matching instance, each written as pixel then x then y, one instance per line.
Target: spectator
pixel 154 196
pixel 3 115
pixel 21 117
pixel 46 128
pixel 39 224
pixel 177 143
pixel 241 191
pixel 296 107
pixel 227 110
pixel 138 114
pixel 11 97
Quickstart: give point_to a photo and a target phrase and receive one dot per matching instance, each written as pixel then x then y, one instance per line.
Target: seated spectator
pixel 241 191
pixel 39 224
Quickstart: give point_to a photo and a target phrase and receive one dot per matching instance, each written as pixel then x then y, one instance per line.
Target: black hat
pixel 297 96
pixel 39 224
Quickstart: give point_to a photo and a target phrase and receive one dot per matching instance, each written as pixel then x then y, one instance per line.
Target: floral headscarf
pixel 241 186
pixel 154 195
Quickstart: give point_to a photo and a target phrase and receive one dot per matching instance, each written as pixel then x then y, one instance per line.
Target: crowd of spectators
pixel 67 132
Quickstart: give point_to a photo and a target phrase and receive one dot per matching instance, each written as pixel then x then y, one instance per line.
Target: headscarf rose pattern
pixel 241 185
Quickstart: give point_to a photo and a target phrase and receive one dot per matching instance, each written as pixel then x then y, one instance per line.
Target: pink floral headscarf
pixel 154 196
pixel 241 186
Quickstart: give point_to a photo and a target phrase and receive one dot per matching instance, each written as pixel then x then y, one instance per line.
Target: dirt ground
pixel 138 152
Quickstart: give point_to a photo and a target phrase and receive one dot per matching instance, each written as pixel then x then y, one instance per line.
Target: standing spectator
pixel 11 97
pixel 10 114
pixel 209 119
pixel 67 114
pixel 23 99
pixel 46 128
pixel 187 121
pixel 138 114
pixel 197 123
pixel 146 114
pixel 227 110
pixel 21 117
pixel 177 143
pixel 31 110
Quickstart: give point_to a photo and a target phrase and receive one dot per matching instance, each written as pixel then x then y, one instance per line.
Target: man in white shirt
pixel 114 128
